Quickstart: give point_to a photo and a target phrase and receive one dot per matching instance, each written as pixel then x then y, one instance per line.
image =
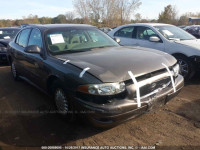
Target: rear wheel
pixel 187 68
pixel 14 71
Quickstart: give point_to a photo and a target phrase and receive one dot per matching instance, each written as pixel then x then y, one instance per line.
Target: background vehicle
pixel 166 38
pixel 194 30
pixel 84 69
pixel 6 35
pixel 105 29
pixel 182 27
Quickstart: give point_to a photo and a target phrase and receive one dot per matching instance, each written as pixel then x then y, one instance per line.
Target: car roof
pixel 52 26
pixel 148 24
pixel 194 26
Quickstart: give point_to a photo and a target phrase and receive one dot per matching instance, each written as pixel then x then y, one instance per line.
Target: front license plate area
pixel 155 104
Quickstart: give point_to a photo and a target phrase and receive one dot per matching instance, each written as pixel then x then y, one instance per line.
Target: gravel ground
pixel 174 126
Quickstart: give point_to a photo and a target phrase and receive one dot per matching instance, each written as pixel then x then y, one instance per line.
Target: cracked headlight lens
pixel 103 89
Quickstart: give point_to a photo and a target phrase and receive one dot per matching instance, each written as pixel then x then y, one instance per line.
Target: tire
pixel 62 101
pixel 14 72
pixel 187 69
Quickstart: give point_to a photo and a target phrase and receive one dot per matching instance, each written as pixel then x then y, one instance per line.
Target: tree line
pixel 34 19
pixel 170 15
pixel 105 13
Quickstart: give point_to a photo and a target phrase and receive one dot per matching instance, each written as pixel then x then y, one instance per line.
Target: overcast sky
pixel 15 9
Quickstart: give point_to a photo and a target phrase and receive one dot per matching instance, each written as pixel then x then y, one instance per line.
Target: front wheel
pixel 62 101
pixel 187 69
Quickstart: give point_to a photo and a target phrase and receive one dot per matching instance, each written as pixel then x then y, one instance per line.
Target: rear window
pixel 126 32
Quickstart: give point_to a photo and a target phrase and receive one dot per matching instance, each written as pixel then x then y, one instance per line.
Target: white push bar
pixel 137 88
pixel 173 84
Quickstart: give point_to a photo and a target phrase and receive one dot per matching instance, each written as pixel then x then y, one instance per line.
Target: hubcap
pixel 184 68
pixel 14 72
pixel 61 102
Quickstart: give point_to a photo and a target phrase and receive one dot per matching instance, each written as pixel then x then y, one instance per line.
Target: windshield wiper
pixel 69 51
pixel 74 51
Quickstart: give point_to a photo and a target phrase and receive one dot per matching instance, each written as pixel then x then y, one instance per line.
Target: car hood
pixel 112 64
pixel 5 41
pixel 191 43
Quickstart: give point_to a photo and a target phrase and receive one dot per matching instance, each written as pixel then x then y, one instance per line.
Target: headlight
pixel 103 89
pixel 176 70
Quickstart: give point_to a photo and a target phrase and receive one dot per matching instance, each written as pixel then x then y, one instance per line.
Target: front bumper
pixel 111 114
pixel 3 57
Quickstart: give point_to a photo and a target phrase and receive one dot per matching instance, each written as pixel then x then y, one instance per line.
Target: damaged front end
pixel 155 89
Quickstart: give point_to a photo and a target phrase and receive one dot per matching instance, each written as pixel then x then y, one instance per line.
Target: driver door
pixel 143 35
pixel 35 62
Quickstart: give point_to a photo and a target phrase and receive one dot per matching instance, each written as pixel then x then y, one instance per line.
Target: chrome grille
pixel 149 88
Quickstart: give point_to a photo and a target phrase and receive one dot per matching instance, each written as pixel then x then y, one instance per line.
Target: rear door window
pixel 126 32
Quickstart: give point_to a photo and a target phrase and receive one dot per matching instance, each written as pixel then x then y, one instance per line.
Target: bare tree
pixel 127 7
pixel 81 7
pixel 138 17
pixel 70 16
pixel 109 12
pixel 96 10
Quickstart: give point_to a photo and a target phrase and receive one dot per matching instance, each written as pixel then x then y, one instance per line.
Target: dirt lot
pixel 174 126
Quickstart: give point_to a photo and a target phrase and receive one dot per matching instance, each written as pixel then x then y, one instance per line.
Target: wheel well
pixel 178 54
pixel 9 59
pixel 50 80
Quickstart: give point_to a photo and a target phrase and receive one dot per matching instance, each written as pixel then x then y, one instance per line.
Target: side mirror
pixel 117 40
pixel 154 39
pixel 33 49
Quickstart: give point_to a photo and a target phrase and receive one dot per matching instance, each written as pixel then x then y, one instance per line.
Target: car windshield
pixel 8 33
pixel 174 33
pixel 69 40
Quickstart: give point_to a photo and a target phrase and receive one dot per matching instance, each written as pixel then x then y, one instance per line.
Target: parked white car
pixel 164 37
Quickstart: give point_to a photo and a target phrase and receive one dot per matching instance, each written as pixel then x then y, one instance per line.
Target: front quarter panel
pixel 174 48
pixel 69 74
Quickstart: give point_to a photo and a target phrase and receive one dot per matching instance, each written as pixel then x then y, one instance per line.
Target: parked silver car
pixel 163 37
